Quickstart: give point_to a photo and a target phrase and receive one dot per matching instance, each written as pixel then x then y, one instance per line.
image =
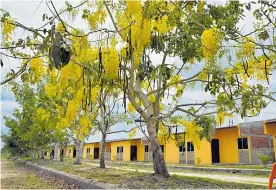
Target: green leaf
pixel 263 35
pixel 200 7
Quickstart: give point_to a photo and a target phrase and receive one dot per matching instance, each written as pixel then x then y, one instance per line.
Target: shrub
pixel 264 158
pixel 198 161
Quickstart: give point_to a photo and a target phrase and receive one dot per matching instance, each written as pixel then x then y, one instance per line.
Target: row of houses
pixel 239 144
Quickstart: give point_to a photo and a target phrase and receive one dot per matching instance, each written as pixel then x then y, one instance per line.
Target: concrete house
pixel 239 144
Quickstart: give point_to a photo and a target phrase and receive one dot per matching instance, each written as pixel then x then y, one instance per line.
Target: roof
pixel 226 127
pixel 123 139
pixel 270 121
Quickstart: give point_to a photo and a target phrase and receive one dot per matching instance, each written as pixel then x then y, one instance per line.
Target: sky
pixel 30 13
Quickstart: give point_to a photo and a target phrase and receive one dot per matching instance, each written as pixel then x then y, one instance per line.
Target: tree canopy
pixel 127 48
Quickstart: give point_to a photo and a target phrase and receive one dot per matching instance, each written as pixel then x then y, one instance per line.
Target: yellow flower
pixel 248 46
pixel 130 107
pixel 96 18
pixel 211 42
pixel 50 89
pixel 8 28
pixel 151 98
pixel 94 93
pixel 42 114
pixel 60 27
pixel 220 118
pixel 111 63
pixel 192 131
pixel 37 68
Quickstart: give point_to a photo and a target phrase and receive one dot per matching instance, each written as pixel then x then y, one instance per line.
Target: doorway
pixel 215 150
pixel 74 153
pixel 96 153
pixel 133 153
pixel 53 154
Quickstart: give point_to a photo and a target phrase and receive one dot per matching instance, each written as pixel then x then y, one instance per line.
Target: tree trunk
pixel 77 159
pixel 61 155
pixel 102 158
pixel 42 154
pixel 159 164
pixel 81 148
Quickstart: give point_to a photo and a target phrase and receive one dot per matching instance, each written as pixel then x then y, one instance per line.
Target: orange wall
pixel 126 151
pixel 140 149
pixel 171 152
pixel 228 145
pixel 270 129
pixel 203 152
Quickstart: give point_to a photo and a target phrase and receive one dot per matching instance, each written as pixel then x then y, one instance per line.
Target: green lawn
pixel 15 176
pixel 129 179
pixel 241 166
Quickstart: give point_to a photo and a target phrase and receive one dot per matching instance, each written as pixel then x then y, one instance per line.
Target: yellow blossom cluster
pixel 192 131
pixel 161 25
pixel 220 118
pixel 42 114
pixel 152 98
pixel 60 27
pixel 37 68
pixel 175 80
pixel 130 107
pixel 84 121
pixel 132 133
pixel 96 18
pixel 50 89
pixel 8 28
pixel 111 63
pixel 94 93
pixel 211 42
pixel 258 68
pixel 71 72
pixel 162 134
pixel 248 47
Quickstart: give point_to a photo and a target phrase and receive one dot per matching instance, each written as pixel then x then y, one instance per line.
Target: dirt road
pixel 16 176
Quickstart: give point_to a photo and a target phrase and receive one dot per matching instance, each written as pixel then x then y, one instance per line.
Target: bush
pixel 198 161
pixel 264 158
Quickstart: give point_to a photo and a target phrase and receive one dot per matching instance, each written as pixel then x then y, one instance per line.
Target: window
pixel 120 149
pixel 242 143
pixel 190 146
pixel 146 148
pixel 182 148
pixel 69 151
pixel 162 148
pixel 88 150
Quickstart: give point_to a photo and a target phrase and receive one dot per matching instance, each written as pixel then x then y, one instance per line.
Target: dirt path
pixel 223 177
pixel 16 176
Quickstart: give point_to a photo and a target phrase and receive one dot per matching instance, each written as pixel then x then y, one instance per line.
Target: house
pixel 238 144
pixel 270 129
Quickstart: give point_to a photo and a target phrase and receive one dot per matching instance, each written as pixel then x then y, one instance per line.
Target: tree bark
pixel 61 155
pixel 159 164
pixel 77 159
pixel 102 158
pixel 42 154
pixel 81 148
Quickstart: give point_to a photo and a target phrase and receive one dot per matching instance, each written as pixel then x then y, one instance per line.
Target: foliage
pixel 119 66
pixel 198 160
pixel 264 158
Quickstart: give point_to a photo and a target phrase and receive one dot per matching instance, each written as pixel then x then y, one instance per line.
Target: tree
pixel 197 33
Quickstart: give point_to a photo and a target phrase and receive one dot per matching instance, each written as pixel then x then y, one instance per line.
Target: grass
pixel 138 180
pixel 17 177
pixel 149 168
pixel 241 166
